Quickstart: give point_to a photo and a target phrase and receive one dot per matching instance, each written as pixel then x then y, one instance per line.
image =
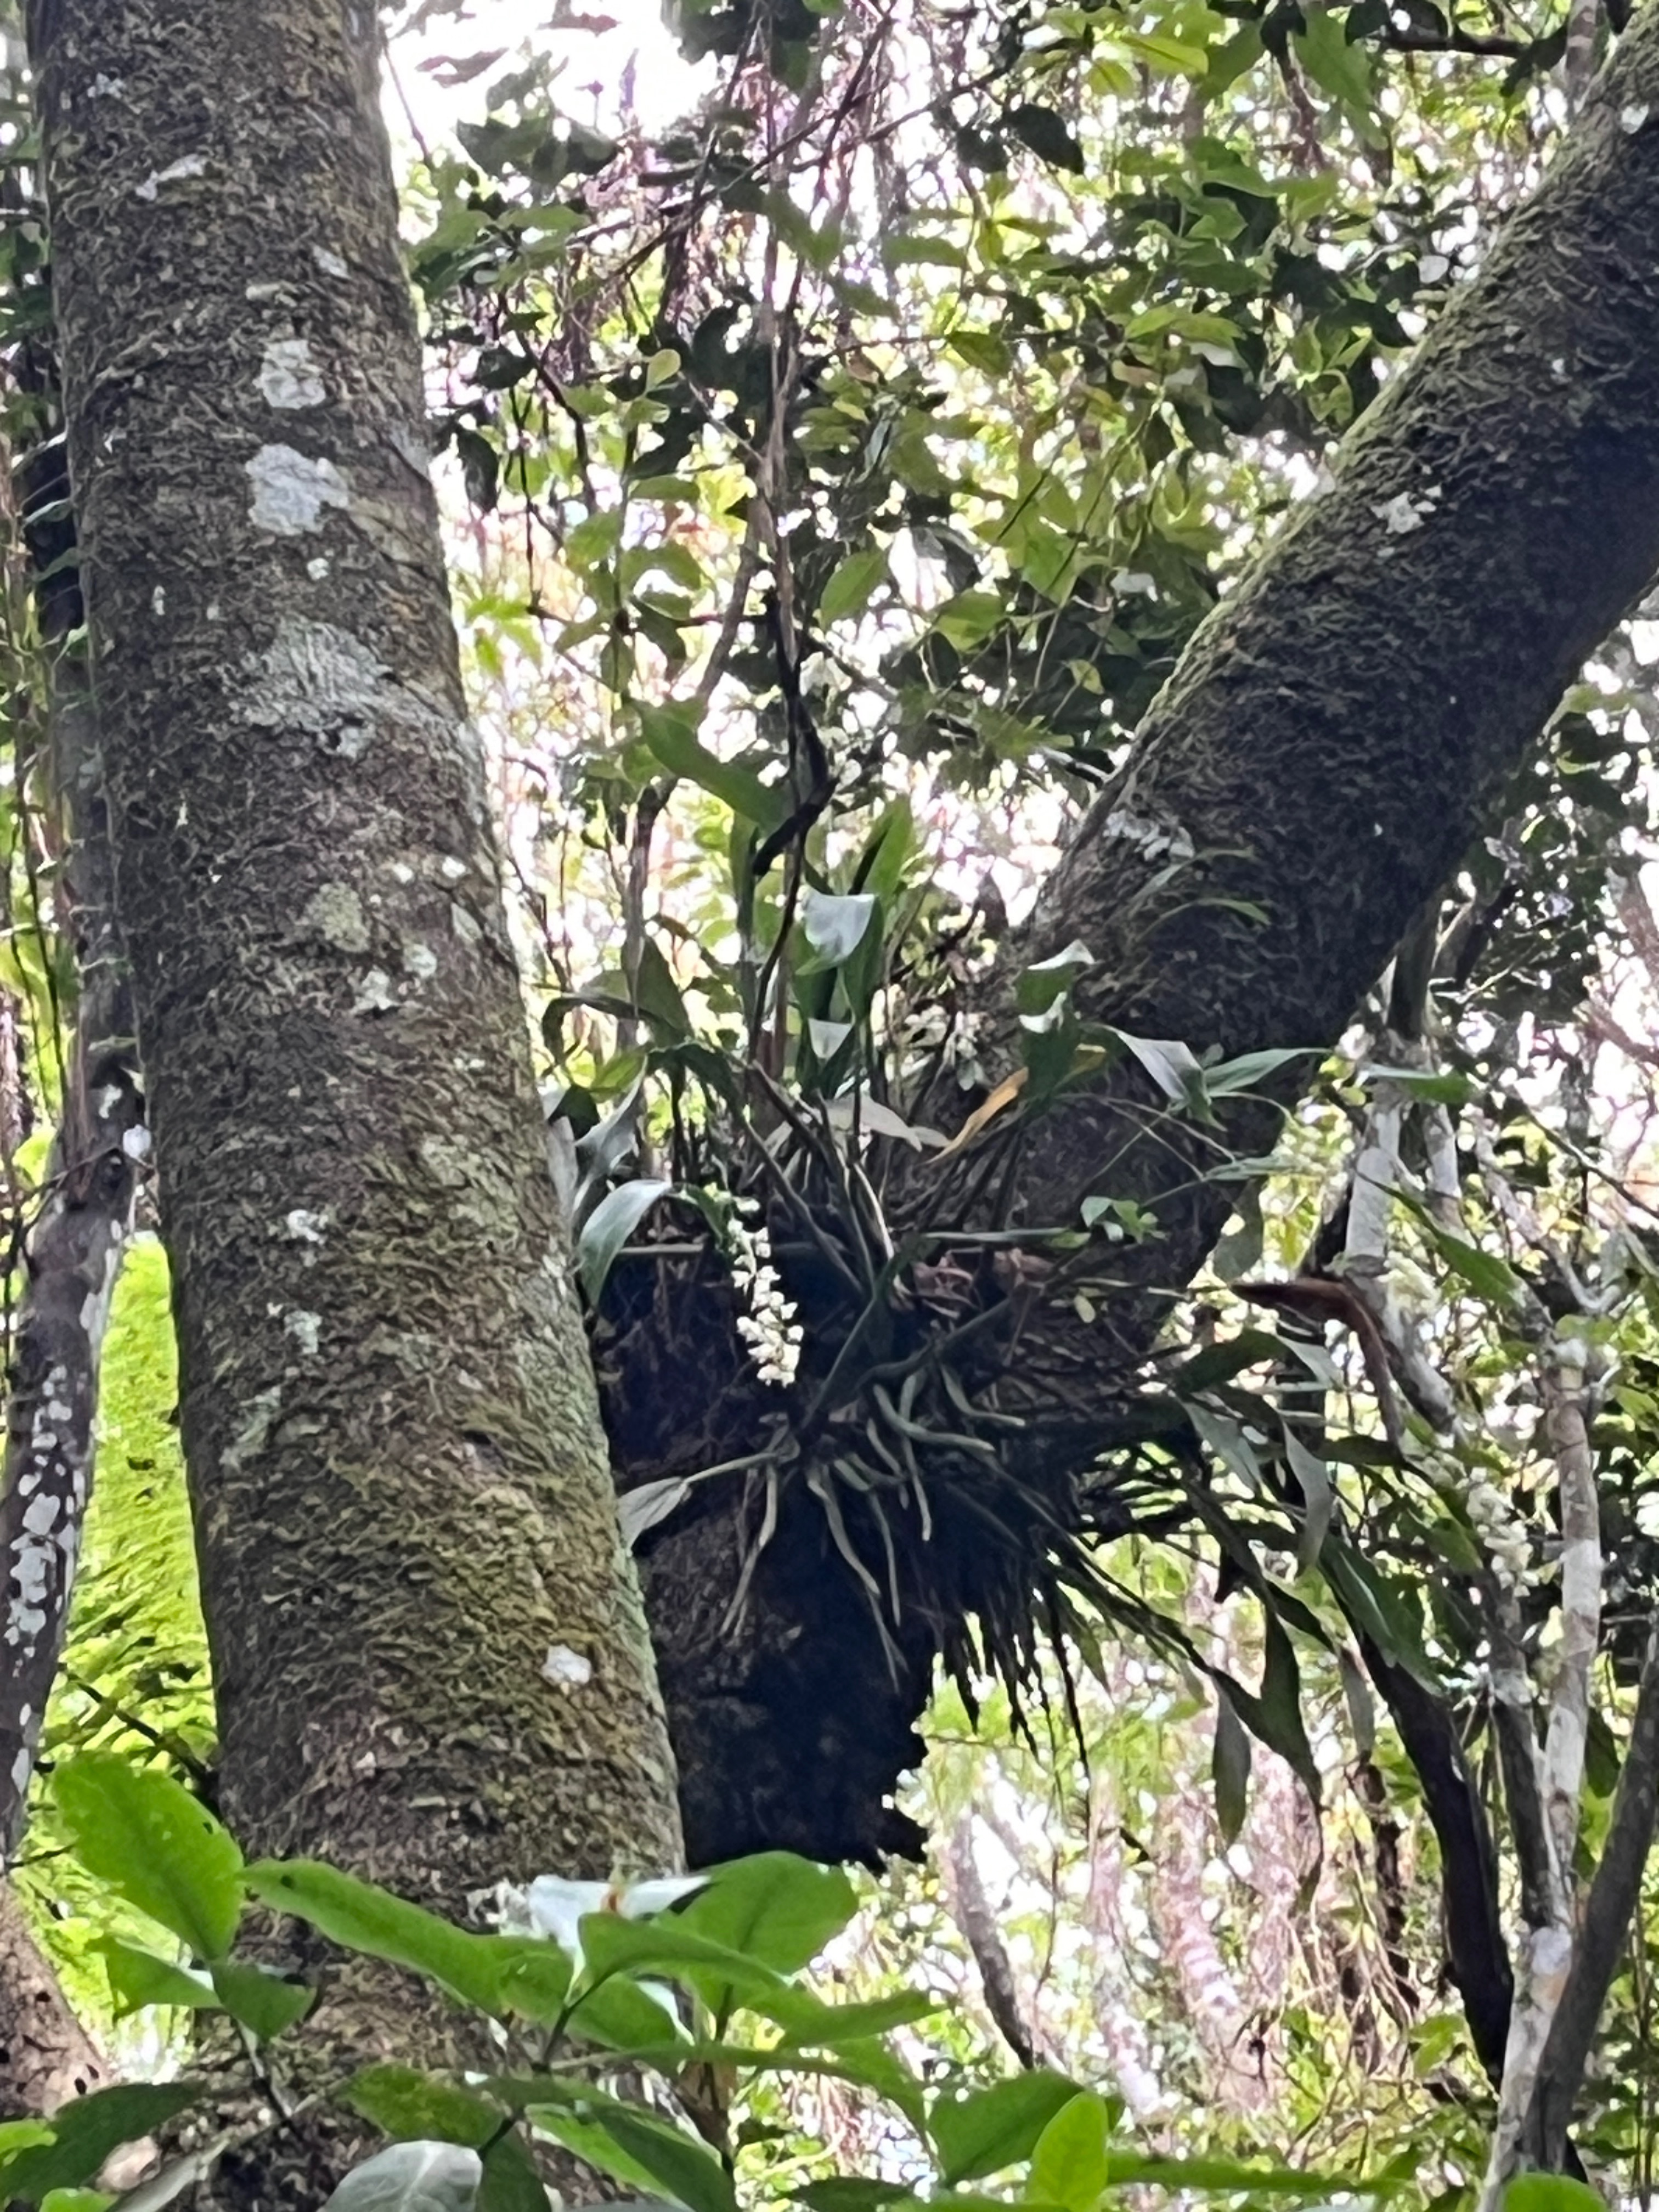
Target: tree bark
pixel 1320 763
pixel 1609 1910
pixel 976 1923
pixel 47 2056
pixel 72 1257
pixel 429 1653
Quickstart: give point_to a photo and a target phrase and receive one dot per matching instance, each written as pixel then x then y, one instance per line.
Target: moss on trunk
pixel 430 1650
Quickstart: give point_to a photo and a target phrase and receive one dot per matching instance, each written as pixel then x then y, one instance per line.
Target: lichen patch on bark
pixel 292 491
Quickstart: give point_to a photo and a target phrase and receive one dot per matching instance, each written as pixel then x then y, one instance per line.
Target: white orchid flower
pixel 553 1907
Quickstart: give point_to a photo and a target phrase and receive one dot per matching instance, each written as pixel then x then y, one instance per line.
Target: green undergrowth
pixel 137 1649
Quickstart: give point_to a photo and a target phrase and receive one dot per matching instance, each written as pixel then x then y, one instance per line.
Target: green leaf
pixel 411 2177
pixel 1230 1444
pixel 1362 1706
pixel 511 2183
pixel 967 620
pixel 658 996
pixel 854 584
pixel 1248 1072
pixel 1174 56
pixel 1041 129
pixel 1339 70
pixel 533 1977
pixel 670 733
pixel 1230 1768
pixel 613 1945
pixel 1486 1275
pixel 1075 2162
pixel 1378 1609
pixel 608 1227
pixel 848 2192
pixel 88 2128
pixel 1551 2193
pixel 1276 1716
pixel 622 2017
pixel 1440 1088
pixel 593 539
pixel 827 1038
pixel 361 1917
pixel 411 2106
pixel 1219 1362
pixel 722 1975
pixel 989 2129
pixel 774 1907
pixel 267 2003
pixel 993 356
pixel 1171 1065
pixel 835 925
pixel 805 2019
pixel 76 2200
pixel 19 2136
pixel 1068 2166
pixel 1045 981
pixel 1318 1499
pixel 156 1845
pixel 873 2064
pixel 139 1977
pixel 622 2140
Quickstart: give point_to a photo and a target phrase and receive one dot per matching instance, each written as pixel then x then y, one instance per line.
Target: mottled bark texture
pixel 47 2056
pixel 1320 763
pixel 72 1259
pixel 429 1652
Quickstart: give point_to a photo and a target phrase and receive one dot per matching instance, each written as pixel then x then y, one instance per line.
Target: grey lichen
pixel 288 377
pixel 291 490
pixel 334 913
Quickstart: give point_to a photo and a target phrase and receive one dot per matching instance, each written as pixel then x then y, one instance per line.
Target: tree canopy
pixel 1056 727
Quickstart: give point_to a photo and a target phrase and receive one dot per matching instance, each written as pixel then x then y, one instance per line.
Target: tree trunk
pixel 1320 763
pixel 47 2056
pixel 77 1242
pixel 429 1652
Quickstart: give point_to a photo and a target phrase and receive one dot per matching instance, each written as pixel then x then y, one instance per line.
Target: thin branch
pixel 1549 1943
pixel 1492 44
pixel 1608 1912
pixel 1478 1960
pixel 970 1909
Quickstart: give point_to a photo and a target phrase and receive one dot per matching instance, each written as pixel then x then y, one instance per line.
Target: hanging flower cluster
pixel 769 1328
pixel 1501 1531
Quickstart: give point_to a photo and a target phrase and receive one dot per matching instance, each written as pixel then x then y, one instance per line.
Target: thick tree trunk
pixel 429 1652
pixel 1316 768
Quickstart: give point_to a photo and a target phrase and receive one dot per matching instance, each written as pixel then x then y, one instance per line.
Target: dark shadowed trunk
pixel 47 2056
pixel 429 1652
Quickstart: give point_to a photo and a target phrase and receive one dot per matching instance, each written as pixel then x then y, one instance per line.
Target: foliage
pixel 135 1672
pixel 612 2027
pixel 844 469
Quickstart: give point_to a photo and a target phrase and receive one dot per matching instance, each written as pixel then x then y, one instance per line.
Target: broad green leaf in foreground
pixel 364 1918
pixel 990 2129
pixel 156 1845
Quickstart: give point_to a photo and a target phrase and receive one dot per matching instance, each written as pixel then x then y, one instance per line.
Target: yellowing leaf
pixel 983 1114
